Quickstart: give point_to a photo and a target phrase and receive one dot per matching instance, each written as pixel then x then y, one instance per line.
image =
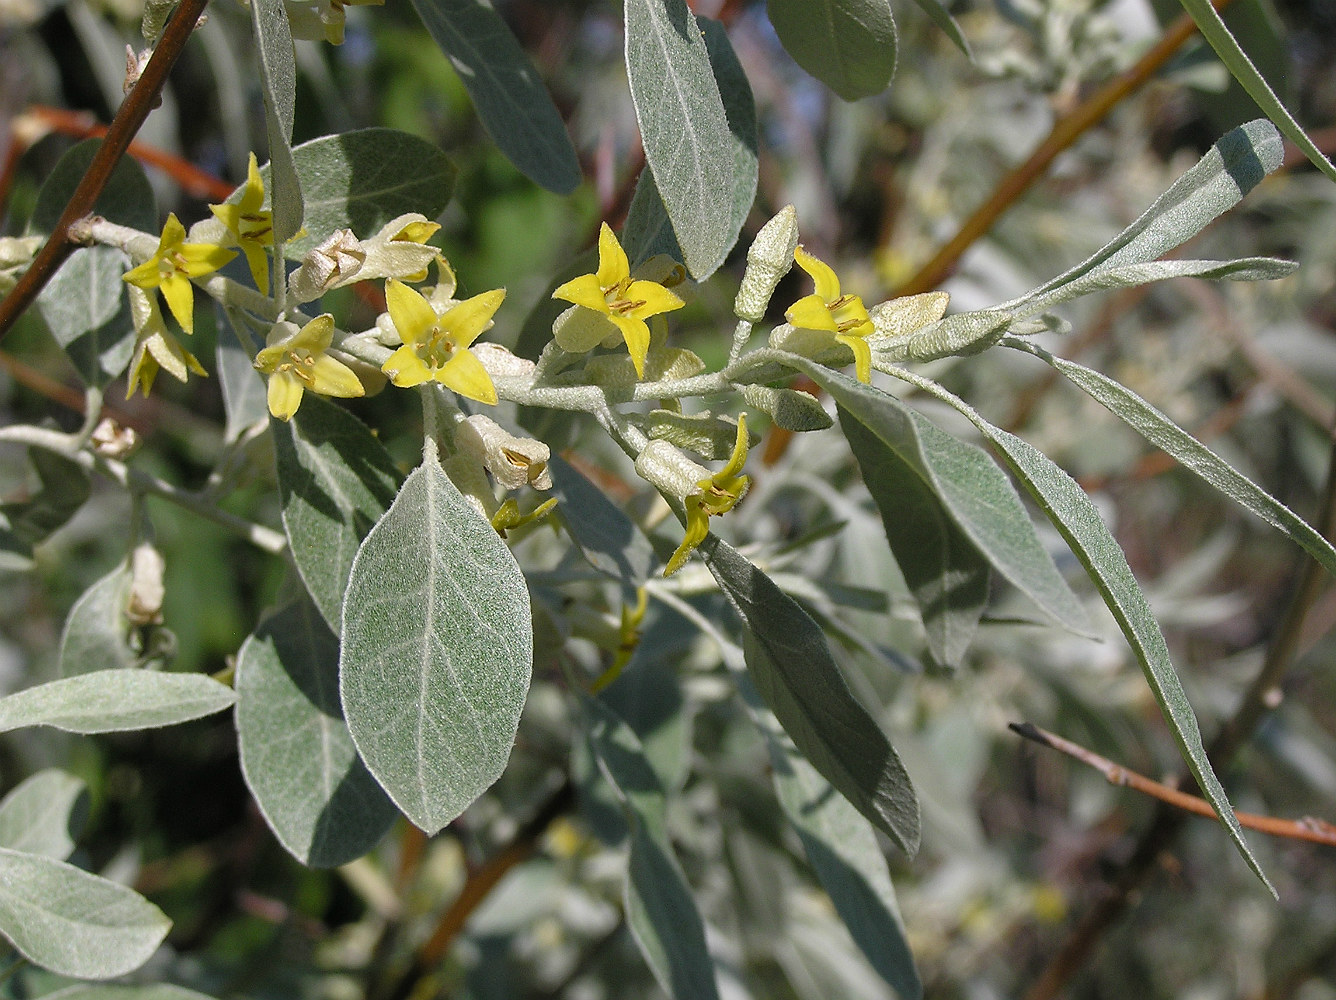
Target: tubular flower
pixel 250 225
pixel 172 267
pixel 626 302
pixel 826 309
pixel 436 344
pixel 296 360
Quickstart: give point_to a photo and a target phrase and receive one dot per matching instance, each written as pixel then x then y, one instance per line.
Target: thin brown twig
pixel 1311 828
pixel 129 118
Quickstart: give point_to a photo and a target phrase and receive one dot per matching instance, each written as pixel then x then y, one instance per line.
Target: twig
pixel 1263 695
pixel 1309 828
pixel 133 110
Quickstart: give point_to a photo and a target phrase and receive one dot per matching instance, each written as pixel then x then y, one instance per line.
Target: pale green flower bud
pixel 512 461
pixel 336 261
pixel 768 260
pixel 674 475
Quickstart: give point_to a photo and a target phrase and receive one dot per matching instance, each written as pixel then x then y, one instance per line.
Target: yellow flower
pixel 716 495
pixel 172 267
pixel 155 347
pixel 250 226
pixel 436 345
pixel 321 19
pixel 826 309
pixel 296 360
pixel 626 302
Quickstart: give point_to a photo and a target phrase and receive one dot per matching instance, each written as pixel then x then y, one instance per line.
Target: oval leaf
pixel 437 650
pixel 849 45
pixel 44 814
pixel 335 480
pixel 296 754
pixel 512 103
pixel 73 923
pixel 792 668
pixel 684 126
pixel 113 701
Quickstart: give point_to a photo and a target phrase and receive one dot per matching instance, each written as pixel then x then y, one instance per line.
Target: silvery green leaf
pixel 849 45
pixel 648 230
pixel 1126 275
pixel 296 754
pixel 976 493
pixel 842 849
pixel 793 670
pixel 97 632
pixel 604 534
pixel 244 391
pixel 437 649
pixel 335 480
pixel 278 74
pixel 44 814
pixel 788 408
pixel 63 919
pixel 687 139
pixel 740 111
pixel 85 308
pixel 1215 32
pixel 507 92
pixel 111 701
pixel 63 487
pixel 1162 432
pixel 1075 517
pixel 119 991
pixel 127 198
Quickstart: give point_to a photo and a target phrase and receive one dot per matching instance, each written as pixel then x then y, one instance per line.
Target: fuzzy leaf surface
pixel 278 75
pixel 113 701
pixel 97 631
pixel 44 814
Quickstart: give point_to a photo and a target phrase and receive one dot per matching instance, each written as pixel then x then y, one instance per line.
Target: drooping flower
pixel 250 225
pixel 297 360
pixel 436 344
pixel 827 309
pixel 155 346
pixel 173 265
pixel 625 301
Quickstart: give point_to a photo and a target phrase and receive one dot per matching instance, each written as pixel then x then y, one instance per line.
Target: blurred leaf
pixel 973 490
pixel 436 652
pixel 296 754
pixel 44 814
pixel 685 129
pixel 1076 518
pixel 116 991
pixel 944 570
pixel 85 307
pixel 942 18
pixel 127 199
pixel 849 45
pixel 244 391
pixel 74 923
pixel 605 536
pixel 1162 432
pixel 278 74
pixel 843 851
pixel 662 916
pixel 362 179
pixel 111 701
pixel 1242 69
pixel 335 480
pixel 507 92
pixel 63 488
pixel 792 668
pixel 97 632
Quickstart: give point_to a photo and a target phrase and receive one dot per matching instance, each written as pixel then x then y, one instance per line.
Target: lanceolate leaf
pixel 740 111
pixel 1162 432
pixel 849 45
pixel 843 851
pixel 278 73
pixel 335 480
pixel 1213 29
pixel 976 493
pixel 605 535
pixel 792 668
pixel 684 127
pixel 944 570
pixel 1123 276
pixel 507 92
pixel 297 757
pixel 73 923
pixel 1071 511
pixel 943 19
pixel 437 649
pixel 44 814
pixel 109 701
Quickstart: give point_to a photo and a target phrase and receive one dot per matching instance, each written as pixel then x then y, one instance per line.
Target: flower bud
pixel 669 471
pixel 513 461
pixel 768 260
pixel 146 588
pixel 334 262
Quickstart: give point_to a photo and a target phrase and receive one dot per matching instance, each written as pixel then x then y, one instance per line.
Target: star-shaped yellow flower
pixel 155 347
pixel 626 302
pixel 826 309
pixel 717 495
pixel 172 267
pixel 251 226
pixel 436 346
pixel 296 360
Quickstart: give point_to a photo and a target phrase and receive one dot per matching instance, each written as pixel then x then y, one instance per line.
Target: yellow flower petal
pixel 862 355
pixel 465 321
pixel 636 334
pixel 465 375
pixel 613 267
pixel 811 313
pixel 405 369
pixel 285 395
pixel 698 526
pixel 411 314
pixel 650 299
pixel 584 291
pixel 180 296
pixel 331 377
pixel 827 284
